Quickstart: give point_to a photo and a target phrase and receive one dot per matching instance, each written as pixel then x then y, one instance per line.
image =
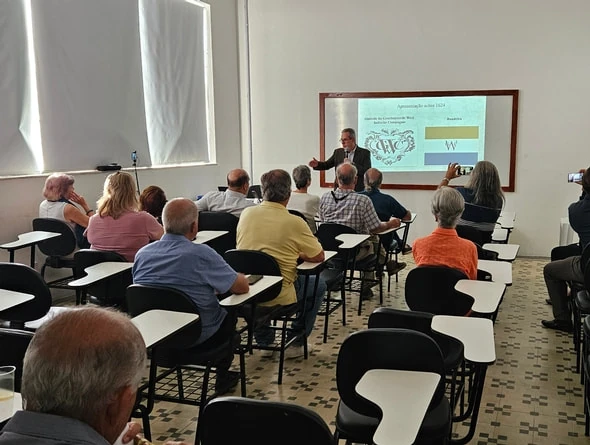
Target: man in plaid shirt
pixel 344 206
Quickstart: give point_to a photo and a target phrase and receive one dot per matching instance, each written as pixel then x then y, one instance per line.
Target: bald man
pixel 80 378
pixel 233 200
pixel 197 270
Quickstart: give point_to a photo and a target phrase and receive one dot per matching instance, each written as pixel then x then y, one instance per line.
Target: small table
pixel 205 236
pixel 28 239
pixel 403 397
pixel 17 406
pixel 306 266
pixel 477 336
pixel 157 325
pixel 487 294
pixel 351 240
pixel 500 235
pixel 256 288
pixel 403 225
pixel 10 298
pixel 506 252
pixel 98 273
pixel 501 271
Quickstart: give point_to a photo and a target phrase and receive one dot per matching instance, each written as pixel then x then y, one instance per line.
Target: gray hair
pixel 79 360
pixel 447 205
pixel 351 133
pixel 301 176
pixel 485 183
pixel 276 185
pixel 178 216
pixel 346 177
pixel 376 181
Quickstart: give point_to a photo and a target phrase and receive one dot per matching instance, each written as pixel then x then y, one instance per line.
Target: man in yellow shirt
pixel 270 228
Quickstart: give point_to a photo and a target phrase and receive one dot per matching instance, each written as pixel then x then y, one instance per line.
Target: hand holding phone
pixel 464 170
pixel 575 177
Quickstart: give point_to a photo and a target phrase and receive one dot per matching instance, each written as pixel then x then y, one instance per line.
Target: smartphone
pixel 464 170
pixel 133 156
pixel 254 279
pixel 574 177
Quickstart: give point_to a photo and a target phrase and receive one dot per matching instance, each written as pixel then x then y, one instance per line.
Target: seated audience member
pixel 385 205
pixel 152 200
pixel 444 247
pixel 344 206
pixel 118 226
pixel 233 200
pixel 197 270
pixel 302 201
pixel 559 272
pixel 61 202
pixel 80 378
pixel 270 228
pixel 483 197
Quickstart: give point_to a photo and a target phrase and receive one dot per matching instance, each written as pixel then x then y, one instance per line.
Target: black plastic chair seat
pixel 452 350
pixel 355 426
pixel 199 356
pixel 435 424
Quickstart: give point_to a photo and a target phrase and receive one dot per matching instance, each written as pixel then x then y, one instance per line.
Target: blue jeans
pixel 306 316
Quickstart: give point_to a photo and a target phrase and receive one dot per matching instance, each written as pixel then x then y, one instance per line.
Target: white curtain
pixel 16 155
pixel 89 82
pixel 112 77
pixel 173 38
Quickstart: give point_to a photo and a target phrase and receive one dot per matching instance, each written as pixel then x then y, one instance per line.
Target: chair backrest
pixel 232 420
pixel 432 289
pixel 21 278
pixel 14 344
pixel 257 263
pixel 112 290
pixel 59 246
pixel 327 233
pixel 385 317
pixel 220 221
pixel 142 298
pixel 478 238
pixel 255 191
pixel 298 213
pixel 400 349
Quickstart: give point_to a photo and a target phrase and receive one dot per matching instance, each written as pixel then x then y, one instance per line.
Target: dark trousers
pixel 225 331
pixel 557 274
pixel 563 252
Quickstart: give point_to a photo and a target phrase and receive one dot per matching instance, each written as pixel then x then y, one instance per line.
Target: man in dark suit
pixel 350 152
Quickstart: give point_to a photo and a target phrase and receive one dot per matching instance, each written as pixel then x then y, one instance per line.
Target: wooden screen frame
pixel 513 131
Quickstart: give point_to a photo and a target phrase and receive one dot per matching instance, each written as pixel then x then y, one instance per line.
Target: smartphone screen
pixel 254 279
pixel 574 177
pixel 466 170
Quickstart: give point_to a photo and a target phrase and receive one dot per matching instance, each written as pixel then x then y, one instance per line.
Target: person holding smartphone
pixel 561 271
pixel 483 196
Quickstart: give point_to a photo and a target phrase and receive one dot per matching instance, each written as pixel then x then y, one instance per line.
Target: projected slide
pixel 422 133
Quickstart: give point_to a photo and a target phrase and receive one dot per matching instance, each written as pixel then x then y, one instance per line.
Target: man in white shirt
pixel 233 200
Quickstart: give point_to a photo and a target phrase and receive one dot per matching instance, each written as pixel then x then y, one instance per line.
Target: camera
pixel 574 177
pixel 464 170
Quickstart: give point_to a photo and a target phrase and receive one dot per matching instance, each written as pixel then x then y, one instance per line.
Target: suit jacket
pixel 362 162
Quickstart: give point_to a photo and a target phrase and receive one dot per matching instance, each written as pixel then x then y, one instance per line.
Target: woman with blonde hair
pixel 483 196
pixel 63 203
pixel 118 224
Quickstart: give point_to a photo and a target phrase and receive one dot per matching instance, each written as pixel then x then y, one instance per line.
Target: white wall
pixel 299 49
pixel 20 198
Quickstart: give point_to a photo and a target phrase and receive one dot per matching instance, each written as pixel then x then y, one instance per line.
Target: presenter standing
pixel 350 152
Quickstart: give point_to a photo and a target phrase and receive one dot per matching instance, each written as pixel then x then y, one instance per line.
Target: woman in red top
pixel 444 247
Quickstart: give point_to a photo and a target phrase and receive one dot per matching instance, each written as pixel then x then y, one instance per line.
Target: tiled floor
pixel 532 395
